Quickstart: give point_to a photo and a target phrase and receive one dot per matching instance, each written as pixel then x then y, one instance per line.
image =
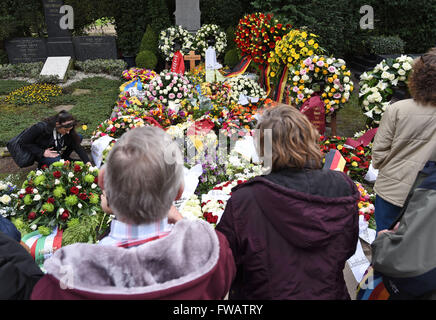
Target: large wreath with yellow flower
pixel 326 75
pixel 293 48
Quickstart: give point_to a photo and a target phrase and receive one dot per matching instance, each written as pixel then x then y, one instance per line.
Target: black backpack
pixel 22 157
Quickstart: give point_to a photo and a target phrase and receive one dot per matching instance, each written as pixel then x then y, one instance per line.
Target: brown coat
pixel 405 141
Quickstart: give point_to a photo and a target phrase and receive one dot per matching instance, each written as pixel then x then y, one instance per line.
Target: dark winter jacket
pixel 18 271
pixel 8 228
pixel 39 137
pixel 193 262
pixel 291 233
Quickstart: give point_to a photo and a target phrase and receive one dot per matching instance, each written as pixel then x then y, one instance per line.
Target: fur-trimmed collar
pixel 188 252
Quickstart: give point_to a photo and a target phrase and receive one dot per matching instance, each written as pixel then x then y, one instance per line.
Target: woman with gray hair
pixel 142 178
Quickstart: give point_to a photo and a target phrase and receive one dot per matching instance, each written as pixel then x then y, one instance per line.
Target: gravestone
pixel 57 66
pixel 23 50
pixel 188 14
pixel 59 41
pixel 95 47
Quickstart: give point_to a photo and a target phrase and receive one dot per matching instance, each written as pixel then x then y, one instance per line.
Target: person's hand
pixel 174 215
pixel 104 204
pixel 50 153
pixel 389 230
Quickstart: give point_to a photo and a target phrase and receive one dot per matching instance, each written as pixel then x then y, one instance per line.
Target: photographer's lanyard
pixel 57 140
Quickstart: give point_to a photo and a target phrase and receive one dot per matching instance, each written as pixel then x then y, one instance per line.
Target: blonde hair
pixel 294 138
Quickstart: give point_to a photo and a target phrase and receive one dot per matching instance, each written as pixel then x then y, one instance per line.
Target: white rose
pixel 93 186
pixel 70 175
pixel 5 199
pixel 33 227
pixel 407 66
pixel 401 72
pixel 57 181
pixel 79 205
pixel 37 197
pixel 396 65
pixel 38 172
pixel 346 79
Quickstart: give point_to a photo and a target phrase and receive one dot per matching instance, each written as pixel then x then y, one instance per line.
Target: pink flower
pixel 300 96
pixel 303 72
pixel 308 61
pixel 295 89
pixel 332 69
pixel 312 67
pixel 171 96
pixel 179 95
pixel 320 63
pixel 337 96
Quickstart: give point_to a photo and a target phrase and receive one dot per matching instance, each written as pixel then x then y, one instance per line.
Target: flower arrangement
pixel 197 76
pixel 144 75
pixel 34 93
pixel 168 87
pixel 365 204
pixel 51 197
pixel 170 36
pixel 107 150
pixel 167 116
pixel 357 160
pixel 328 76
pixel 244 86
pixel 206 32
pixel 293 48
pixel 257 34
pixel 7 195
pixel 116 126
pixel 377 86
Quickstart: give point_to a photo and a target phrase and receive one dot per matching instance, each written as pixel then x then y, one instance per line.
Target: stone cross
pixel 192 57
pixel 188 14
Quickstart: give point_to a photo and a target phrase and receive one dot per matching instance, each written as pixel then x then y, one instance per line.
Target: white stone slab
pixel 56 66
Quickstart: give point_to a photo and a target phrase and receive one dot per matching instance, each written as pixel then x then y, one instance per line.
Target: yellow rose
pixel 304 35
pixel 273 74
pixel 311 42
pixel 354 164
pixel 84 127
pixel 316 45
pixel 340 147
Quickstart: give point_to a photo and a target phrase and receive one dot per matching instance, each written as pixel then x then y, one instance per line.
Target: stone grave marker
pixel 188 14
pixel 23 50
pixel 95 47
pixel 57 66
pixel 59 41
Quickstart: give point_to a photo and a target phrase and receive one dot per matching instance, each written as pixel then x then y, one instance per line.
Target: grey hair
pixel 144 172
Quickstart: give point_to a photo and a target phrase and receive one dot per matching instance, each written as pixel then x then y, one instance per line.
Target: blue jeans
pixel 385 213
pixel 48 161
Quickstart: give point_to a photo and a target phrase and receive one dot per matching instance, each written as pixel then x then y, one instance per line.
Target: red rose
pixel 367 217
pixel 77 168
pixel 65 215
pixel 44 166
pixel 32 215
pixel 96 180
pixel 51 200
pixel 74 190
pixel 356 159
pixel 214 219
pixel 29 190
pixel 113 129
pixel 21 196
pixel 57 174
pixel 83 196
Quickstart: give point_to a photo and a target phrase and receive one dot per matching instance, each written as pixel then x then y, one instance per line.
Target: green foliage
pixel 412 21
pixel 131 20
pixel 146 59
pixel 113 67
pixel 224 13
pixel 232 58
pixel 3 57
pixel 230 35
pixel 86 230
pixel 158 14
pixel 385 45
pixel 149 41
pixel 21 19
pixel 28 70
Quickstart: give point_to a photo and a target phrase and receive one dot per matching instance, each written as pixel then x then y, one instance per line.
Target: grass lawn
pixel 90 109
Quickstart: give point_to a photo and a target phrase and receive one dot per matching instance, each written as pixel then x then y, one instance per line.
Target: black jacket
pixel 18 271
pixel 39 137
